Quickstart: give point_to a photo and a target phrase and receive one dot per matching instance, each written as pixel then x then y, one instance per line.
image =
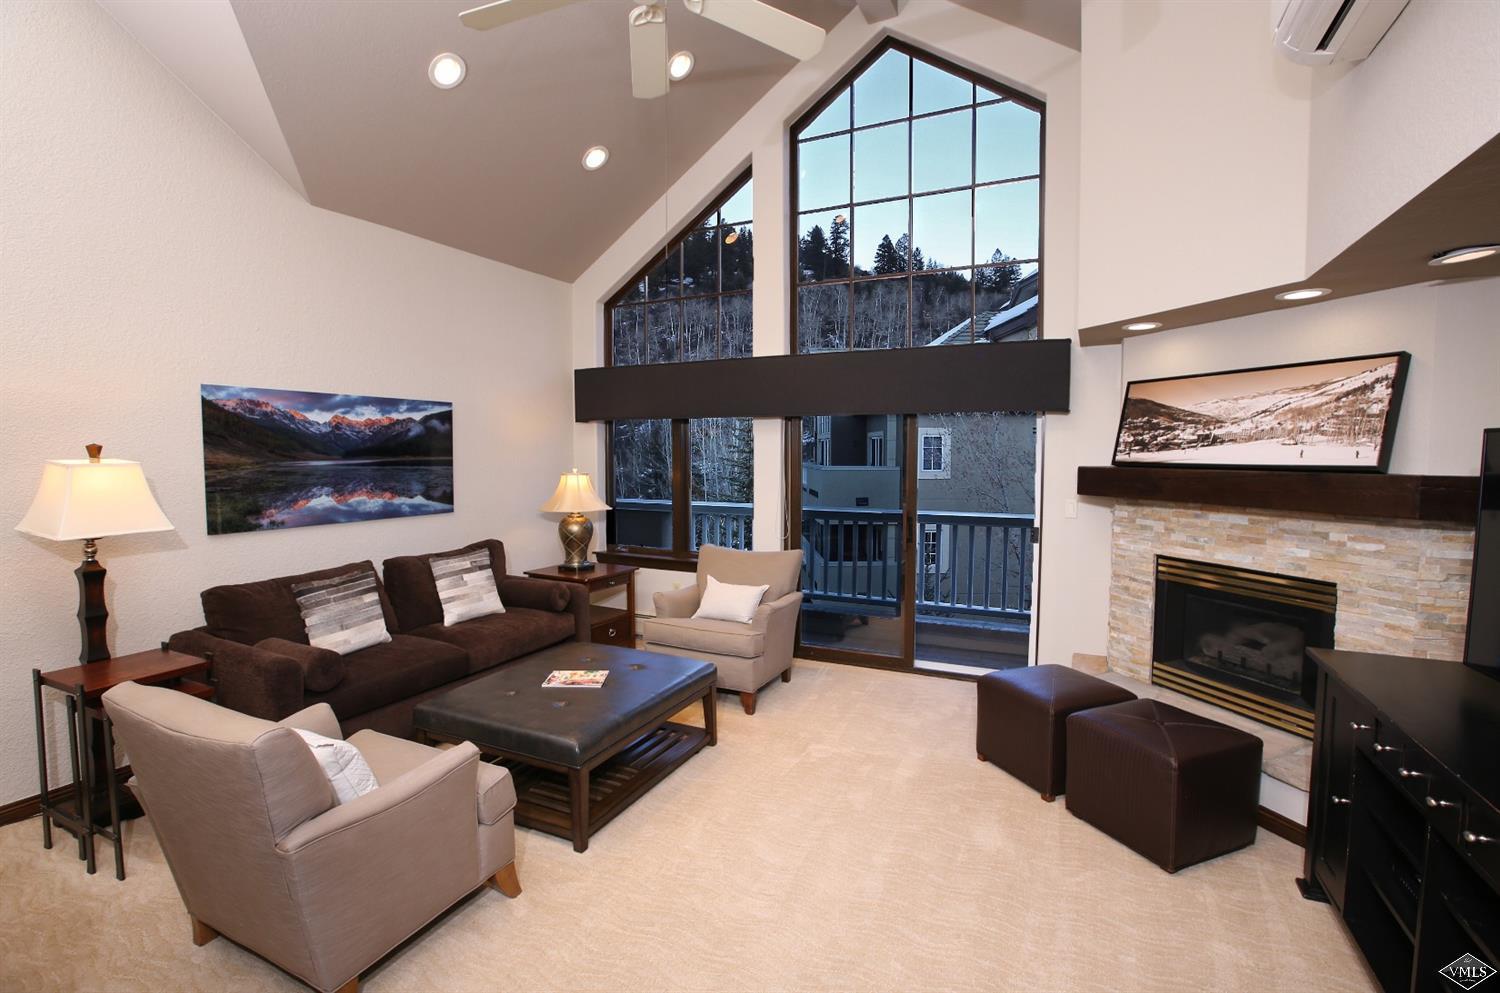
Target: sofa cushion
pixel 322 669
pixel 395 670
pixel 502 637
pixel 466 586
pixel 715 637
pixel 413 592
pixel 251 612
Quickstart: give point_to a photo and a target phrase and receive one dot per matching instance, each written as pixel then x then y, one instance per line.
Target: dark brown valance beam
pixel 1023 375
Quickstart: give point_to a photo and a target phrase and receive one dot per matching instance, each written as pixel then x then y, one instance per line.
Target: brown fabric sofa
pixel 264 666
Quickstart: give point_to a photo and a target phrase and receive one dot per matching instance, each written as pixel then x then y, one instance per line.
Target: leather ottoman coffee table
pixel 579 755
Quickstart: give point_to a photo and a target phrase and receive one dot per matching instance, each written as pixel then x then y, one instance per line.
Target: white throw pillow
pixel 345 768
pixel 727 602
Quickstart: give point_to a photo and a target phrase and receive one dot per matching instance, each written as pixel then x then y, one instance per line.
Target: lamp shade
pixel 87 498
pixel 575 494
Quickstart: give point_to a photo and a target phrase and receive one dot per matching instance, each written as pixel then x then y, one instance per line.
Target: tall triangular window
pixel 917 204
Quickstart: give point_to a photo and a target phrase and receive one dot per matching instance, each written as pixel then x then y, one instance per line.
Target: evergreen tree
pixel 814 253
pixel 1001 276
pixel 838 245
pixel 888 258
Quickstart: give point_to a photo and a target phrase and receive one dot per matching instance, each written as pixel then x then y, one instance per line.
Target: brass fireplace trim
pixel 1309 593
pixel 1297 720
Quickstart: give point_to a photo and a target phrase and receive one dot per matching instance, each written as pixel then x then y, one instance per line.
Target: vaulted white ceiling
pixel 334 94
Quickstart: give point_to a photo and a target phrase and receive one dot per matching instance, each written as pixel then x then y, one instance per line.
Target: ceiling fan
pixel 648 31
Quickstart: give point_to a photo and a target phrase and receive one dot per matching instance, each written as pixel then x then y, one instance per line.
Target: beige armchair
pixel 262 854
pixel 748 656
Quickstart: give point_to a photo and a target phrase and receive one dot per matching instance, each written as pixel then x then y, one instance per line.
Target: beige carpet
pixel 843 838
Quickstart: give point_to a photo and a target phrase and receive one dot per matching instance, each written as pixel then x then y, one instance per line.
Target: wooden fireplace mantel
pixel 1445 499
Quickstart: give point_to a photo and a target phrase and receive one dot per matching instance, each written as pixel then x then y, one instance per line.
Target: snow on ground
pixel 1265 452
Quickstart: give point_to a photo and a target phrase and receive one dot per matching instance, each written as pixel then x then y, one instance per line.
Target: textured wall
pixel 146 250
pixel 1403 589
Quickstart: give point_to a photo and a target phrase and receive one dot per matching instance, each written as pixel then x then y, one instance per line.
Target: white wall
pixel 1194 158
pixel 1386 128
pixel 145 251
pixel 1075 597
pixel 1449 329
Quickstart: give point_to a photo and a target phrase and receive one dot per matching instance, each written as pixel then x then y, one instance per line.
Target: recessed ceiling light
pixel 679 65
pixel 446 71
pixel 1311 293
pixel 1143 326
pixel 595 158
pixel 1456 255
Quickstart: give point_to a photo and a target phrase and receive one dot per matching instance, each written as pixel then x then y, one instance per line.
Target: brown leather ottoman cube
pixel 1022 715
pixel 1176 787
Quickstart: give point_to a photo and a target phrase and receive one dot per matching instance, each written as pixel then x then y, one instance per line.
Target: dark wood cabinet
pixel 607 625
pixel 1404 813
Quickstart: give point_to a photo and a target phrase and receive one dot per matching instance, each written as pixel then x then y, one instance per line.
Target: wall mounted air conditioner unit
pixel 1316 32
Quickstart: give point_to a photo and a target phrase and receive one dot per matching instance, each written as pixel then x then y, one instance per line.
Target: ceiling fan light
pixel 446 71
pixel 1472 253
pixel 680 66
pixel 595 158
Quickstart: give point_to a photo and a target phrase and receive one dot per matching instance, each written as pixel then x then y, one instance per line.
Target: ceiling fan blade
pixel 648 51
pixel 766 24
pixel 493 15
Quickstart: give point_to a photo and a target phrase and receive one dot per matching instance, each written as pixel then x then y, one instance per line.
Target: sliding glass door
pixel 851 485
pixel 918 538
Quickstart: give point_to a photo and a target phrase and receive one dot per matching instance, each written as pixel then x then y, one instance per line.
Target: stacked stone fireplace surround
pixel 1403 587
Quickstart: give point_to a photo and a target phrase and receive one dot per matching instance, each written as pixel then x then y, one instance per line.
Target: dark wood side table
pixel 609 625
pixel 83 685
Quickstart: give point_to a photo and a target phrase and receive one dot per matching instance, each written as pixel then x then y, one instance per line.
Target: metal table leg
pixel 112 789
pixel 86 801
pixel 41 758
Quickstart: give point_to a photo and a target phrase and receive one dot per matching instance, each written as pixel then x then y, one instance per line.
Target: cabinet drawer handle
pixel 1470 838
pixel 611 632
pixel 1410 773
pixel 1357 726
pixel 1340 801
pixel 1385 748
pixel 1437 804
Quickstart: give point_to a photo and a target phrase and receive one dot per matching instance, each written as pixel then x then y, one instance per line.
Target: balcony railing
pixel 967 564
pixel 976 565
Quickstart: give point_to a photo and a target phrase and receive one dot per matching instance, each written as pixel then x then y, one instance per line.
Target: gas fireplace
pixel 1238 638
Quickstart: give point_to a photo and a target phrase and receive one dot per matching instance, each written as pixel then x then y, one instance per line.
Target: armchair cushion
pixel 347 771
pixel 729 602
pixel 745 641
pixel 322 668
pixel 677 603
pixel 781 570
pixel 390 757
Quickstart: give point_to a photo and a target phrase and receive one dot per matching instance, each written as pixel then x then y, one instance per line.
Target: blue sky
pixel 323 406
pixel 942 156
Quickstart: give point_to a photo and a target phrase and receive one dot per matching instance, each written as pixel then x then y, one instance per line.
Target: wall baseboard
pixel 1281 826
pixel 29 806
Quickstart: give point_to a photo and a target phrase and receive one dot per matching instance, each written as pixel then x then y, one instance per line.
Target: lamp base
pixel 92 614
pixel 577 533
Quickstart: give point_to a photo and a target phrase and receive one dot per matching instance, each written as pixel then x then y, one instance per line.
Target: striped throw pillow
pixel 466 586
pixel 342 614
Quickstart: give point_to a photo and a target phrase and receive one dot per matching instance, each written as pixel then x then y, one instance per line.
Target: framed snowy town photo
pixel 1338 414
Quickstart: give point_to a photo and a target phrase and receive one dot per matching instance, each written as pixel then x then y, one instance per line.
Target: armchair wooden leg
pixel 747 700
pixel 786 674
pixel 352 986
pixel 202 933
pixel 506 881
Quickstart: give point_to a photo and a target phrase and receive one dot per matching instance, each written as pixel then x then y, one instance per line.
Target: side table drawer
pixel 615 630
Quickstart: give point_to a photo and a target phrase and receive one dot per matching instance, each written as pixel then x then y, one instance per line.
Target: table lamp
pixel 88 499
pixel 575 496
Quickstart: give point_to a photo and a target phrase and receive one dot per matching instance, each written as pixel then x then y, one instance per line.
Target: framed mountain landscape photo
pixel 1338 414
pixel 285 458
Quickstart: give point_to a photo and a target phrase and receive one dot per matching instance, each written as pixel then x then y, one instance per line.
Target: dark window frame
pixel 680 556
pixel 854 278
